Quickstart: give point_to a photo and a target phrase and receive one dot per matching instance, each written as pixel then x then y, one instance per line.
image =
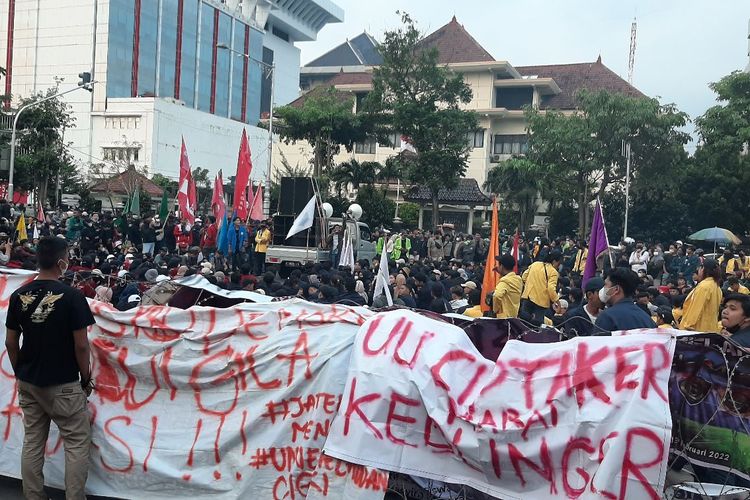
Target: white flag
pixel 381 281
pixel 304 220
pixel 347 253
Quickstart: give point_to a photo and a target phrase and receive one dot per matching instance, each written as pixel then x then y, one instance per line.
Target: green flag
pixel 127 206
pixel 135 204
pixel 164 208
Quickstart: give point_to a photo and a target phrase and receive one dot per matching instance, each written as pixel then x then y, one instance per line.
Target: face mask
pixel 604 295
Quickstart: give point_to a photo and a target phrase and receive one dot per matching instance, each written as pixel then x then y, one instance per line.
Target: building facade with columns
pixel 165 70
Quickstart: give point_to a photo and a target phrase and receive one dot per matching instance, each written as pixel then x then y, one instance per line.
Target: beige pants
pixel 66 406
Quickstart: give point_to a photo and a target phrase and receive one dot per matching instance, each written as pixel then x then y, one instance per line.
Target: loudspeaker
pixel 281 226
pixel 294 195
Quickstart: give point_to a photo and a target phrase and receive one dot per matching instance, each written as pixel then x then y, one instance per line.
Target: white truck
pixel 293 255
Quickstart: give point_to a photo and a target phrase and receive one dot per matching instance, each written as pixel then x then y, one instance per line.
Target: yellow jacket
pixel 473 312
pixel 507 297
pixel 580 264
pixel 701 309
pixel 540 284
pixel 262 240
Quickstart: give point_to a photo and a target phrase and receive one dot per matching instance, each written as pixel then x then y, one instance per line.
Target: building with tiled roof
pixel 352 56
pixel 113 192
pixel 500 90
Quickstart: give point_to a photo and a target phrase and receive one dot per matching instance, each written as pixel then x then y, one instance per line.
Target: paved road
pixel 10 489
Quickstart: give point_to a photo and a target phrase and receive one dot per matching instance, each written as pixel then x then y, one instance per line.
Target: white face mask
pixel 604 294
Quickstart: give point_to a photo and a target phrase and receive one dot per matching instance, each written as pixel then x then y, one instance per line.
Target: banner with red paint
pixel 587 417
pixel 207 403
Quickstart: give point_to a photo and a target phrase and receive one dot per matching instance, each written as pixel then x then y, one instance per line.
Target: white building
pixel 163 72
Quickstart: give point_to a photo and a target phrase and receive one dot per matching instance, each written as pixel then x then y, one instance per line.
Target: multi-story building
pixel 166 69
pixel 500 93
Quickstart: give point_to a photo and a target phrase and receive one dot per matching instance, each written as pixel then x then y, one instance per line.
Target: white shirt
pixel 639 261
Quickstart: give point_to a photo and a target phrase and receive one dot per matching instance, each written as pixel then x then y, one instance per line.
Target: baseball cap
pixel 593 285
pixel 470 285
pixel 128 256
pixel 161 278
pixel 134 298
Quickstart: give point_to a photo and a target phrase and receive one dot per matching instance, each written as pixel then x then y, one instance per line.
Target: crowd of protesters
pixel 638 285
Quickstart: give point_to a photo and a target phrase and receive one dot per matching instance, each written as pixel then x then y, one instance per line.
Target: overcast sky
pixel 682 45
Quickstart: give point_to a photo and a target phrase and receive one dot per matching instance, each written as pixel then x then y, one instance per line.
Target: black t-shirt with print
pixel 46 313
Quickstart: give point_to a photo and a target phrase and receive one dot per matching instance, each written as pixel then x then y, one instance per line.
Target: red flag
pixel 256 213
pixel 218 206
pixel 39 211
pixel 490 276
pixel 244 167
pixel 515 251
pixel 186 192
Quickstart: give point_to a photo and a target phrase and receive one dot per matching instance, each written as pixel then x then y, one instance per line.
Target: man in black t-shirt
pixel 52 318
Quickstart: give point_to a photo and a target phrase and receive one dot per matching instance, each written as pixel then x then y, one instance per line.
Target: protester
pixel 735 318
pixel 506 299
pixel 621 312
pixel 540 288
pixel 702 306
pixel 52 368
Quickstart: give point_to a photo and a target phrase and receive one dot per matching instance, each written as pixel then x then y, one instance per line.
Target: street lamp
pixel 85 83
pixel 270 68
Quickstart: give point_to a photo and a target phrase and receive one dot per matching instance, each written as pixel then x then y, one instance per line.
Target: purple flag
pixel 598 243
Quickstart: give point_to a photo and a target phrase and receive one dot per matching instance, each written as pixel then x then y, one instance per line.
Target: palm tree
pixel 518 180
pixel 354 173
pixel 393 169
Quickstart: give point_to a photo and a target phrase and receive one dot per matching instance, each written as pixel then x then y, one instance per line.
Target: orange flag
pixel 490 276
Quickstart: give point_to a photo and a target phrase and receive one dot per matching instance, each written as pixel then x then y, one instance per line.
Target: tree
pixel 421 100
pixel 203 187
pixel 377 210
pixel 41 154
pixel 393 169
pixel 327 121
pixel 167 184
pixel 409 214
pixel 518 182
pixel 354 173
pixel 580 155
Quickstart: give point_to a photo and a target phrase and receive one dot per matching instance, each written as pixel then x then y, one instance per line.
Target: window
pixel 265 82
pixel 120 48
pixel 514 98
pixel 121 154
pixel 476 139
pixel 364 233
pixel 365 148
pixel 122 122
pixel 205 57
pixel 510 145
pixel 147 48
pixel 238 69
pixel 168 49
pixel 222 65
pixel 188 62
pixel 395 140
pixel 360 101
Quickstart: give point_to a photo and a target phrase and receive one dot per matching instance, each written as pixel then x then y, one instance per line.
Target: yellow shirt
pixel 507 297
pixel 743 290
pixel 580 263
pixel 473 312
pixel 701 309
pixel 262 239
pixel 540 284
pixel 677 314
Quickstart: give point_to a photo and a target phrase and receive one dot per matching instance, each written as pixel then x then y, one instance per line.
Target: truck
pixel 310 246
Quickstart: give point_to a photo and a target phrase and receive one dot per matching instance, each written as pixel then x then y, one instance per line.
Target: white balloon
pixel 327 209
pixel 355 211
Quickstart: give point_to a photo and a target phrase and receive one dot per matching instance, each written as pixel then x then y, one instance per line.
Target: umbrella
pixel 716 235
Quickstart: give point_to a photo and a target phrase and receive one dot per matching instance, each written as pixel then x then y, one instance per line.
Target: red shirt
pixel 183 239
pixel 209 237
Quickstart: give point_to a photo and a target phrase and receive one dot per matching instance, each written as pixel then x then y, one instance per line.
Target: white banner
pixel 208 403
pixel 585 418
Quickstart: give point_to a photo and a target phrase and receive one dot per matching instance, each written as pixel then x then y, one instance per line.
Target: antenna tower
pixel 631 58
